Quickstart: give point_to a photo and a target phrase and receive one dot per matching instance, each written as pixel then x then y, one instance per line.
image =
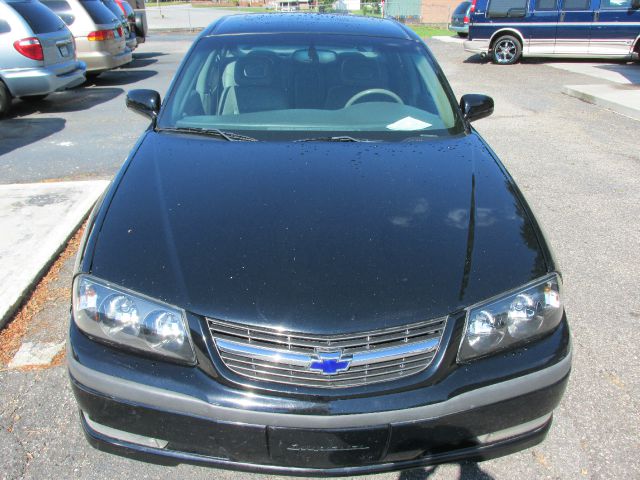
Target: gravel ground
pixel 576 163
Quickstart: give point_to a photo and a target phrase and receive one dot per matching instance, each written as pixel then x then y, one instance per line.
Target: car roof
pixel 307 23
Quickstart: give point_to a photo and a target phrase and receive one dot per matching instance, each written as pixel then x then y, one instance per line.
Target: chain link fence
pixel 197 14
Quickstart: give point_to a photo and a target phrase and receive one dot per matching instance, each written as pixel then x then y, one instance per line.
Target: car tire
pixel 34 98
pixel 506 50
pixel 5 99
pixel 463 35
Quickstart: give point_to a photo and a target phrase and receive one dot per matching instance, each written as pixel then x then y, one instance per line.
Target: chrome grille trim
pixel 277 356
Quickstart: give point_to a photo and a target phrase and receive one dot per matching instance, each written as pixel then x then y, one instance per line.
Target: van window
pixel 506 8
pixel 622 4
pixel 38 17
pixel 546 5
pixel 98 12
pixel 62 9
pixel 462 8
pixel 576 4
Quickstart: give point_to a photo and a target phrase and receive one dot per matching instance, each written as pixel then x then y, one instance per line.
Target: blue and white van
pixel 509 29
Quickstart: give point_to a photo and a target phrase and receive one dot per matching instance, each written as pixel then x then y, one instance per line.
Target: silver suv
pixel 37 53
pixel 99 35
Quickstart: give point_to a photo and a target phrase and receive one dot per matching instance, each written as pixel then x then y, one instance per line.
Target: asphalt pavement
pixel 577 164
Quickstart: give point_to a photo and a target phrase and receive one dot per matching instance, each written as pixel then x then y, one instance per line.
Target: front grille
pixel 332 361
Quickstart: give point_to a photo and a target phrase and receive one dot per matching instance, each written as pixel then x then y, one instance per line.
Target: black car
pixel 312 264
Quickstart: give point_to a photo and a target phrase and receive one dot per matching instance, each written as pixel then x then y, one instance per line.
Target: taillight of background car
pixel 101 36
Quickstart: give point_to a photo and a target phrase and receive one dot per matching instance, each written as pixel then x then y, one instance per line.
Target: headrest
pixel 356 69
pixel 255 70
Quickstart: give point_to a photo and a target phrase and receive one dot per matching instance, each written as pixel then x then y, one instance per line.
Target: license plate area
pixel 327 448
pixel 64 49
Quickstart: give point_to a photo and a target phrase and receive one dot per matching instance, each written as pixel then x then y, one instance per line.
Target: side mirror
pixel 475 107
pixel 635 4
pixel 144 102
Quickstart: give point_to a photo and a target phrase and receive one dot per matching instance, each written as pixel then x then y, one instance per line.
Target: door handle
pixel 596 16
pixel 562 14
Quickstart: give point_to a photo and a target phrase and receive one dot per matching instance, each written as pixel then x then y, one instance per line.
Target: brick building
pixel 422 11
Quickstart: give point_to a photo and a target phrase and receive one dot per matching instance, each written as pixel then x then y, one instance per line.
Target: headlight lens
pixel 121 317
pixel 514 318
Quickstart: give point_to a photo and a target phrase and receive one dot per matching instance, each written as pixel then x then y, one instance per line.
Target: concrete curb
pixel 27 268
pixel 622 99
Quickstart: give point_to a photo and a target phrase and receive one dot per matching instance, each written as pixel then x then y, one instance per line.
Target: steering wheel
pixel 373 91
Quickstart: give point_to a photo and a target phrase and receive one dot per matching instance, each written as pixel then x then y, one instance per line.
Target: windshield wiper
pixel 211 132
pixel 341 138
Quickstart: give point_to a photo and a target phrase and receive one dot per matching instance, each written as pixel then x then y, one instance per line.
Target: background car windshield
pixel 98 12
pixel 62 9
pixel 351 85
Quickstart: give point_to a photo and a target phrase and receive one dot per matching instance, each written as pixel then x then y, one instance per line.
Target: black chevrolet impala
pixel 312 264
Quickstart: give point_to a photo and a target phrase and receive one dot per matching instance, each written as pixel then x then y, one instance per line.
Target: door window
pixel 576 5
pixel 546 5
pixel 615 4
pixel 507 8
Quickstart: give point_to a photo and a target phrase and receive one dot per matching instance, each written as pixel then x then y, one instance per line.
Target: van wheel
pixel 506 50
pixel 5 100
pixel 463 34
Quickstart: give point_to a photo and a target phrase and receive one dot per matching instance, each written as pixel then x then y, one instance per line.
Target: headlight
pixel 121 317
pixel 511 319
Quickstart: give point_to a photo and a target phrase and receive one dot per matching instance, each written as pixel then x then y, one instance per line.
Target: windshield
pixel 297 86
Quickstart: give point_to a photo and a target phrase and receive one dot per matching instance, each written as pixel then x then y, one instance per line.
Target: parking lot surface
pixel 576 163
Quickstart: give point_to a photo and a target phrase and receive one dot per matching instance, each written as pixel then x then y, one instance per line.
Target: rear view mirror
pixel 475 107
pixel 144 102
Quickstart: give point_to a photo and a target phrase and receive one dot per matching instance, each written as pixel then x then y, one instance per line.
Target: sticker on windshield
pixel 408 124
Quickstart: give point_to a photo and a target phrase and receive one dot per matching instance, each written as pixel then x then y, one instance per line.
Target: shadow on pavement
pixel 468 471
pixel 121 77
pixel 148 55
pixel 17 133
pixel 139 63
pixel 74 100
pixel 629 71
pixel 477 59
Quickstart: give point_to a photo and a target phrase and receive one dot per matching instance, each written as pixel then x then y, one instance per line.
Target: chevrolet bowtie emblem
pixel 329 363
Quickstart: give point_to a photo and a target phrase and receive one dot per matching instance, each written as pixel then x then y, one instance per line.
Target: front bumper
pixel 182 415
pixel 476 46
pixel 23 82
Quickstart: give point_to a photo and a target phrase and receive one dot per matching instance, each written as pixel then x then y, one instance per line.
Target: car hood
pixel 316 237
